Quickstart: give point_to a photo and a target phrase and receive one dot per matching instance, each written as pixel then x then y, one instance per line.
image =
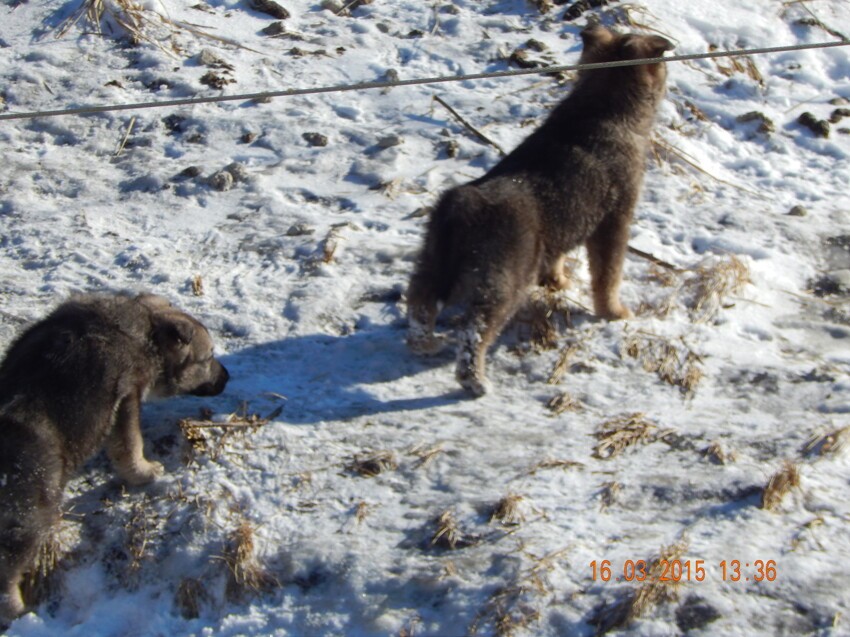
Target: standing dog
pixel 72 383
pixel 575 179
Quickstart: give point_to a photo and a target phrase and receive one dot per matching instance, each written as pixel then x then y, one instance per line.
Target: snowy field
pixel 342 486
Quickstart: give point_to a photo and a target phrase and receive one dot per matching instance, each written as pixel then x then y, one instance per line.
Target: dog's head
pixel 603 45
pixel 186 352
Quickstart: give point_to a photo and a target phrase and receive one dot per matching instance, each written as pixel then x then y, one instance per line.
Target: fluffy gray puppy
pixel 71 384
pixel 575 180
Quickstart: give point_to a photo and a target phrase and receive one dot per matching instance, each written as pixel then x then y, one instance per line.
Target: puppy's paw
pixel 427 345
pixel 621 313
pixel 143 472
pixel 556 281
pixel 11 605
pixel 616 312
pixel 475 384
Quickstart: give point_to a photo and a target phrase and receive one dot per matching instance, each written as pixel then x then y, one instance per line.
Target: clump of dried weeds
pixel 618 434
pixel 833 441
pixel 704 288
pixel 563 402
pixel 448 534
pixel 189 597
pixel 779 485
pixel 206 437
pixel 675 364
pixel 637 602
pixel 517 606
pixel 246 574
pixel 372 464
pixel 508 510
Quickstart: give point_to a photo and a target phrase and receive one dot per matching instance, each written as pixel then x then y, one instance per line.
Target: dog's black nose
pixel 215 386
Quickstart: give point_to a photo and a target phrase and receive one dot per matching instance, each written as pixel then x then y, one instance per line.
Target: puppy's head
pixel 186 353
pixel 603 45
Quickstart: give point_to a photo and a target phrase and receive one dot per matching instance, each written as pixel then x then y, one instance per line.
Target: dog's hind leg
pixel 606 251
pixel 484 323
pixel 422 310
pixel 125 446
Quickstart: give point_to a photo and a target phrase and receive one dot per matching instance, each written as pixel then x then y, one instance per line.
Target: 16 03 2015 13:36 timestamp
pixel 685 571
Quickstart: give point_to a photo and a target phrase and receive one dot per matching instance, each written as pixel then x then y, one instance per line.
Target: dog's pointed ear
pixel 171 330
pixel 638 47
pixel 596 35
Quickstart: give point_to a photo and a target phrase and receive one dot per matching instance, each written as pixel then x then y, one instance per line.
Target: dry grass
pixel 130 16
pixel 703 289
pixel 639 601
pixel 137 22
pixel 517 606
pixel 38 582
pixel 547 312
pixel 246 574
pixel 675 364
pixel 372 464
pixel 189 597
pixel 197 285
pixel 206 437
pixel 807 531
pixel 716 279
pixel 508 510
pixel 735 65
pixel 666 151
pixel 830 442
pixel 425 455
pixel 620 433
pixel 448 534
pixel 553 463
pixel 716 454
pixel 332 241
pixel 138 531
pixel 361 511
pixel 779 485
pixel 575 344
pixel 563 402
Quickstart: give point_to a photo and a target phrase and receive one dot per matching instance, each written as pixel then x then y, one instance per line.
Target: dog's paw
pixel 427 345
pixel 143 472
pixel 621 313
pixel 475 384
pixel 615 313
pixel 11 605
pixel 556 281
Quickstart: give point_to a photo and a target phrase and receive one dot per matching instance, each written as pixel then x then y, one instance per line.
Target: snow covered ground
pixel 350 487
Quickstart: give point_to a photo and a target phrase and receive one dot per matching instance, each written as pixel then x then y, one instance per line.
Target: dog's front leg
pixel 125 446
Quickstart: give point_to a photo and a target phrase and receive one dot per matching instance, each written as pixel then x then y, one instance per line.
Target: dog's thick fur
pixel 575 179
pixel 73 383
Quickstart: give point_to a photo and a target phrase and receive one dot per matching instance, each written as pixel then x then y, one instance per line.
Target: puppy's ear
pixel 637 47
pixel 596 35
pixel 172 331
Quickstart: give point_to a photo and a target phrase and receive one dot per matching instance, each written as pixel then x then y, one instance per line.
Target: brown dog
pixel 575 179
pixel 72 383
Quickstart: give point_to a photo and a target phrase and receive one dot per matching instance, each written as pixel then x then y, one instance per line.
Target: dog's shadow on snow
pixel 324 377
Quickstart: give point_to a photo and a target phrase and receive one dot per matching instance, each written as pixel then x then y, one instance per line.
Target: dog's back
pixel 69 370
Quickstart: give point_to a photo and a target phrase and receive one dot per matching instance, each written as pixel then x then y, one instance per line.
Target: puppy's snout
pixel 220 376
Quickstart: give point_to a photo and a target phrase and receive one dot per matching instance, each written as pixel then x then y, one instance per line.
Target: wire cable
pixel 362 86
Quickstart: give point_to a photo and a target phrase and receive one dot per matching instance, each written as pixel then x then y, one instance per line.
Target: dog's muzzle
pixel 216 386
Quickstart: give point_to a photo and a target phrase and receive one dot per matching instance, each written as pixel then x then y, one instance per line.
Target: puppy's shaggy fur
pixel 575 180
pixel 72 383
